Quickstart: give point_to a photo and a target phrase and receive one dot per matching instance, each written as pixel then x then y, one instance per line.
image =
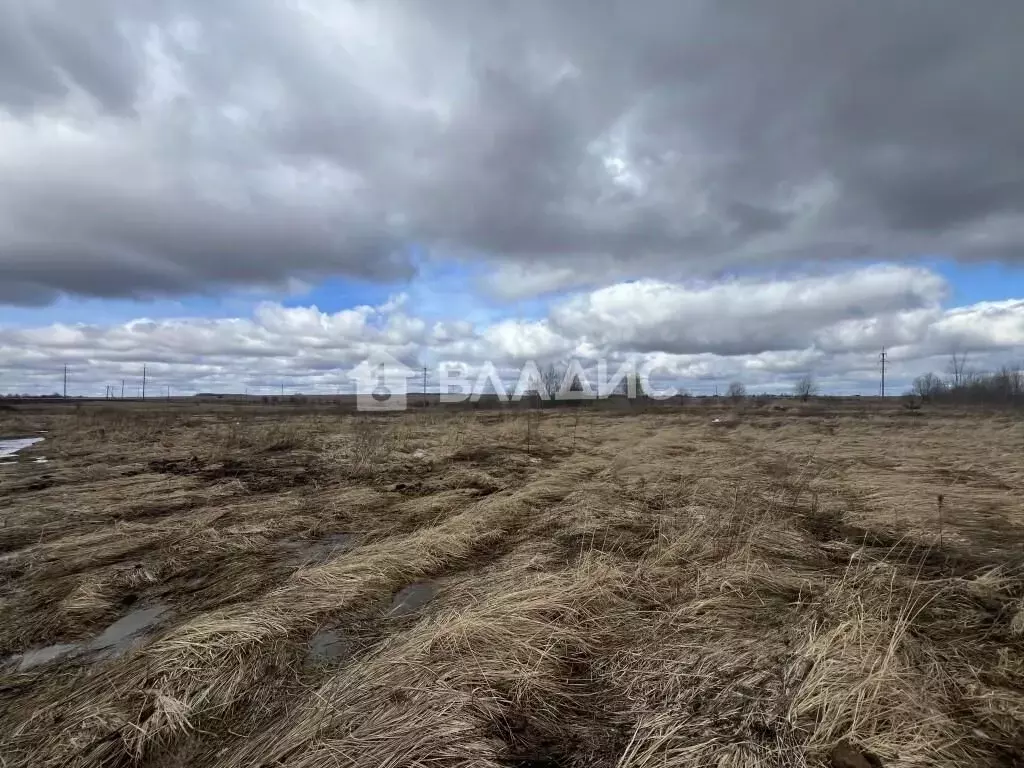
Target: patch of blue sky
pixel 973 282
pixel 442 289
pixel 451 289
pixel 335 294
pixel 91 311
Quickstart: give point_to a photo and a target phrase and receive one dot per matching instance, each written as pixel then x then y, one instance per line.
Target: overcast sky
pixel 250 192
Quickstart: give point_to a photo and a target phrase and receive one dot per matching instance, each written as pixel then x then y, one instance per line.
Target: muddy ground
pixel 774 584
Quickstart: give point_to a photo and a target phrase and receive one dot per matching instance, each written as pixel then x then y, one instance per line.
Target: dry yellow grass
pixel 557 590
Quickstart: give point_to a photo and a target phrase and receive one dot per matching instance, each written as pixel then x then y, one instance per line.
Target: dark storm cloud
pixel 151 147
pixel 47 47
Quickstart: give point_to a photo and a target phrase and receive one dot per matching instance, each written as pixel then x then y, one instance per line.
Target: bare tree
pixel 551 378
pixel 928 386
pixel 805 387
pixel 736 391
pixel 631 379
pixel 957 369
pixel 555 381
pixel 1007 382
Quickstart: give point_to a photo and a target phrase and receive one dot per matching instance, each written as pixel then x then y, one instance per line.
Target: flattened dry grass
pixel 628 591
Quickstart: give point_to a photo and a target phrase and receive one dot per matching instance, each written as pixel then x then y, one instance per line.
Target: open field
pixel 790 585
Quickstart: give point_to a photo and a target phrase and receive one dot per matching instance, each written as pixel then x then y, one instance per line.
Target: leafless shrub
pixel 1004 385
pixel 736 392
pixel 912 403
pixel 928 386
pixel 805 387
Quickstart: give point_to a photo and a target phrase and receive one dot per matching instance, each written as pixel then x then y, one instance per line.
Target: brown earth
pixel 308 588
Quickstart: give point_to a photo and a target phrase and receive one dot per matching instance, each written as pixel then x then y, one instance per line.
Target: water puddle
pixel 124 633
pixel 314 551
pixel 9 446
pixel 329 645
pixel 120 637
pixel 43 655
pixel 411 598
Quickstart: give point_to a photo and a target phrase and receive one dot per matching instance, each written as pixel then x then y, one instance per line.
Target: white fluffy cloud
pixel 747 316
pixel 762 332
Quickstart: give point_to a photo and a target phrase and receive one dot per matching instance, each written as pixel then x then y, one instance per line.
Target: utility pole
pixel 122 389
pixel 143 381
pixel 882 356
pixel 424 386
pixel 282 389
pixel 65 382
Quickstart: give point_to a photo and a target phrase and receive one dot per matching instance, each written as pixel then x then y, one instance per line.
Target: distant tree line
pixel 805 388
pixel 961 384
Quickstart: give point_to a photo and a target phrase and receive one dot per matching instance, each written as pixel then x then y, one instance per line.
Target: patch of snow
pixel 10 447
